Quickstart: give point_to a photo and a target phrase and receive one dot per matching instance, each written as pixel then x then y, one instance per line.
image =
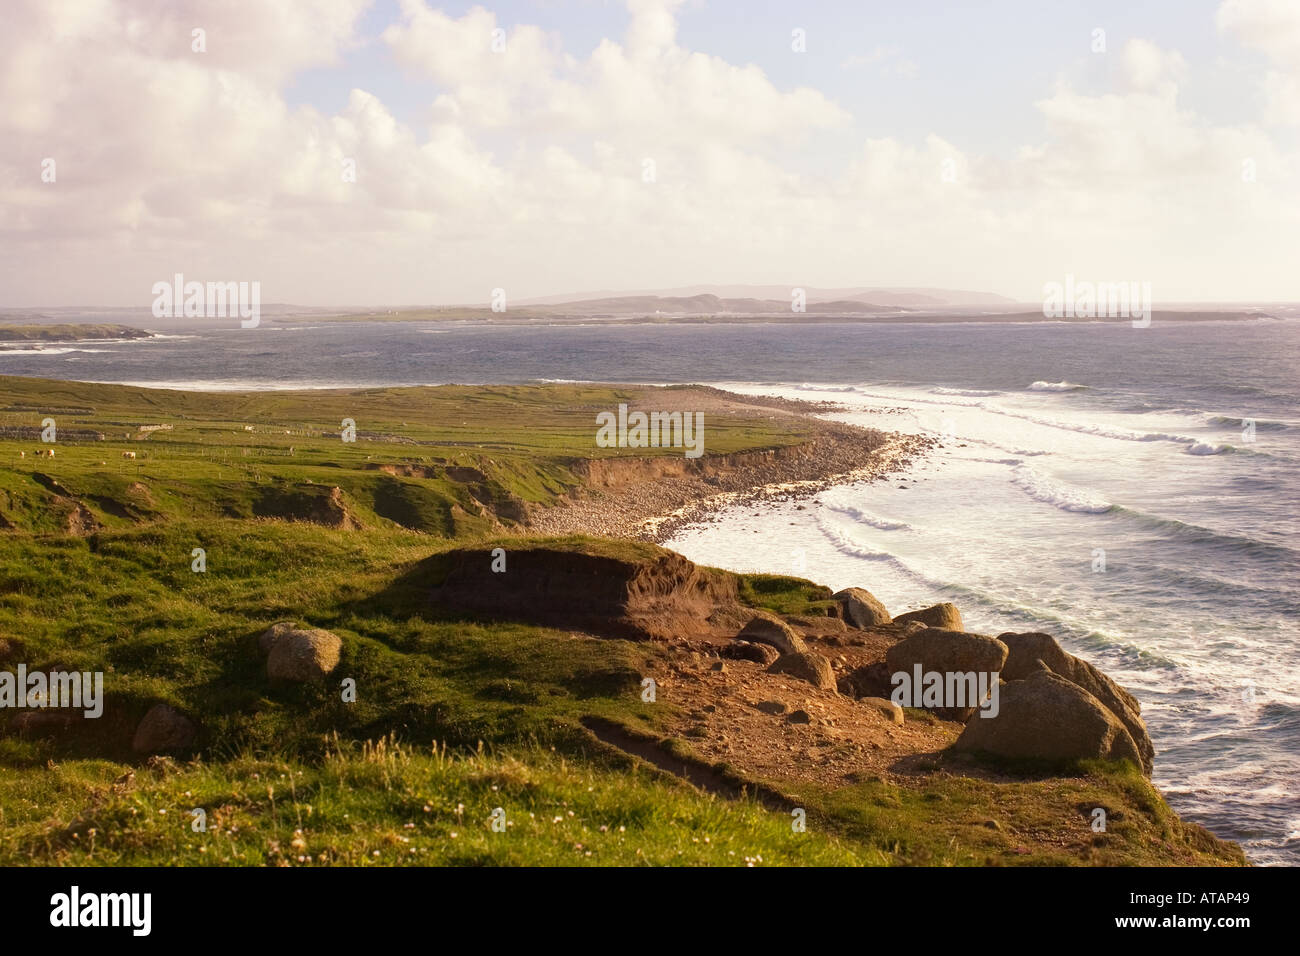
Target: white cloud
pixel 528 174
pixel 1273 27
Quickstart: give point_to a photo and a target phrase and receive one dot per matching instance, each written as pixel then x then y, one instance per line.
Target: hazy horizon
pixel 408 152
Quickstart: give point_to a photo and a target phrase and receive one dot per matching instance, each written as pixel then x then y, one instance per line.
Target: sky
pixel 405 152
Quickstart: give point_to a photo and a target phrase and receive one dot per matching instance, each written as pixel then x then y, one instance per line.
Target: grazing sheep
pixel 128 454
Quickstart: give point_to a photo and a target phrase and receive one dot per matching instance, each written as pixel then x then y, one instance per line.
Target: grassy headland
pixel 455 714
pixel 68 332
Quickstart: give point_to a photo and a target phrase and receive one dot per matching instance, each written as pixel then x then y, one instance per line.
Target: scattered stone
pixel 163 729
pixel 767 628
pixel 861 609
pixel 771 706
pixel 813 668
pixel 944 616
pixel 719 666
pixel 799 717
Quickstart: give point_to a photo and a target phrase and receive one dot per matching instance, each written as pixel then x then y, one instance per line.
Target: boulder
pixel 941 650
pixel 945 616
pixel 1026 650
pixel 266 640
pixel 1047 717
pixel 946 652
pixel 869 680
pixel 886 708
pixel 163 729
pixel 299 654
pixel 861 609
pixel 767 628
pixel 805 665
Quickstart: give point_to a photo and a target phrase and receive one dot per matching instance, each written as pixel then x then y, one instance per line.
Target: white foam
pixel 1062 496
pixel 972 392
pixel 1055 387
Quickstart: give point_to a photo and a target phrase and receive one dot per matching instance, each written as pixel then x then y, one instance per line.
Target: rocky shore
pixel 651 499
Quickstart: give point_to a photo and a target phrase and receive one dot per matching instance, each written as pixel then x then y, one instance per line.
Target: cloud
pixel 1272 27
pixel 641 163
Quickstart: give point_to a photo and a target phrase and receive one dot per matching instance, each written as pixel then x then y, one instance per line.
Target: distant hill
pixel 703 304
pixel 883 297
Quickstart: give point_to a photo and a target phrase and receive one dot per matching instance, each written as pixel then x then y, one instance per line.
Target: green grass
pixel 390 805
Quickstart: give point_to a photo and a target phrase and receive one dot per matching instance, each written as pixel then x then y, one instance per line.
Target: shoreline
pixel 631 498
pixel 900 451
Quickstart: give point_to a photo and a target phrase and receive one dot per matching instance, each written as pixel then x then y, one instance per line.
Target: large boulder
pixel 808 666
pixel 1026 650
pixel 163 729
pixel 945 616
pixel 936 649
pixel 1047 717
pixel 861 609
pixel 947 652
pixel 299 654
pixel 767 628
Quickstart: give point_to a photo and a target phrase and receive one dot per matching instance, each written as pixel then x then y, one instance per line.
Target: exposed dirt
pixel 643 600
pixel 799 733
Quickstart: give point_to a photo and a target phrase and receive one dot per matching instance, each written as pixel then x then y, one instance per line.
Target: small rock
pixel 163 728
pixel 861 609
pixel 300 654
pixel 944 616
pixel 767 628
pixel 762 654
pixel 719 666
pixel 799 717
pixel 813 668
pixel 886 708
pixel 771 706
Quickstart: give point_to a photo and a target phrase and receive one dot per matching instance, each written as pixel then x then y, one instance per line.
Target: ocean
pixel 1132 491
